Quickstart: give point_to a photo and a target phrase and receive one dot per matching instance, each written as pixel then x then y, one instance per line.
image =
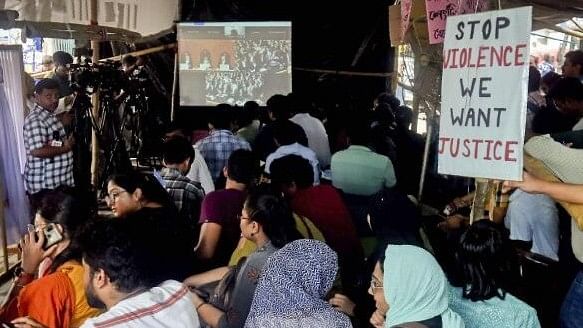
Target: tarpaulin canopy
pixel 116 19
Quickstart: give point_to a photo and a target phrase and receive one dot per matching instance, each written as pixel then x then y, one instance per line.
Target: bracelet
pixel 200 305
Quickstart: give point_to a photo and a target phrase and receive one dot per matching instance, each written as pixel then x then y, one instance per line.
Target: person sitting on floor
pixel 409 287
pixel 289 145
pixel 219 232
pixel 114 254
pixel 482 300
pixel 266 221
pixel 323 205
pixel 52 295
pixel 291 290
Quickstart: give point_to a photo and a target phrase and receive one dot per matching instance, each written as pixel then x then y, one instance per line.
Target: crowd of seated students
pixel 281 245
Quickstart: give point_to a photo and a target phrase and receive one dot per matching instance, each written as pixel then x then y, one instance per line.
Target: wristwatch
pixel 23 276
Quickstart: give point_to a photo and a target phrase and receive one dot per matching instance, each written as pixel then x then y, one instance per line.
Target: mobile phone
pixel 52 235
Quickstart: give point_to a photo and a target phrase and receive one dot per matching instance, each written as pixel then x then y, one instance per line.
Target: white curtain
pixel 12 152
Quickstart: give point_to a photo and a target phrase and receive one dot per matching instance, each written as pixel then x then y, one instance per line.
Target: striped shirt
pixel 167 305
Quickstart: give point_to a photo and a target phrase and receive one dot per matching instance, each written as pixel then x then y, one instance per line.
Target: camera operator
pixel 61 72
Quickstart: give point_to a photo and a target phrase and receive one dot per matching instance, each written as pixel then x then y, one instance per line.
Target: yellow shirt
pixel 82 311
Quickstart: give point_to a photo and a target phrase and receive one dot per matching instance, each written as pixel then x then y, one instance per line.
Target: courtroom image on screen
pixel 233 62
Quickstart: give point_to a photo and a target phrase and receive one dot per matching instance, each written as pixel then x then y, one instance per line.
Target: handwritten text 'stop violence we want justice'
pixel 484 56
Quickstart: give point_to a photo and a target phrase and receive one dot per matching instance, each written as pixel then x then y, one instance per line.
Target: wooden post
pixel 480 196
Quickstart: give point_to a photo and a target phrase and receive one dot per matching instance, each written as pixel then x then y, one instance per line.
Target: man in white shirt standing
pixel 315 131
pixel 116 279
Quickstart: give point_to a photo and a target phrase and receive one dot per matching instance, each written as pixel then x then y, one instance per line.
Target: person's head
pixel 129 62
pixel 242 167
pixel 387 98
pixel 573 65
pixel 297 276
pixel 383 114
pixel 46 94
pixel 128 193
pixel 403 117
pixel 268 215
pixel 567 93
pixel 113 262
pixel 358 132
pixel 394 218
pixel 176 129
pixel 548 81
pixel 61 60
pixel 483 255
pixel 67 213
pixel 534 79
pixel 413 285
pixel 278 107
pixel 178 153
pixel 222 118
pixel 284 132
pixel 290 173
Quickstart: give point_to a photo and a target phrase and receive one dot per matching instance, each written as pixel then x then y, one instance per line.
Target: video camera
pixel 103 76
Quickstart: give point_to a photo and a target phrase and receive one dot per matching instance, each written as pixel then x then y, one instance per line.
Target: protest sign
pixel 484 94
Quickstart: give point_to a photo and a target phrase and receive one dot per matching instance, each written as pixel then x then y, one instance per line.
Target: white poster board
pixel 484 94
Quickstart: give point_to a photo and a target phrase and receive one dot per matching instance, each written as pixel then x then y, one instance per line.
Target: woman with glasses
pixel 53 294
pixel 137 196
pixel 410 290
pixel 267 221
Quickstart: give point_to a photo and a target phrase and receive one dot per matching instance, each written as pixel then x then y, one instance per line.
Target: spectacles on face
pixel 113 197
pixel 375 284
pixel 241 217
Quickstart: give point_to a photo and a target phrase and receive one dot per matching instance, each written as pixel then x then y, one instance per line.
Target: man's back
pixel 217 147
pixel 167 305
pixel 186 194
pixel 317 136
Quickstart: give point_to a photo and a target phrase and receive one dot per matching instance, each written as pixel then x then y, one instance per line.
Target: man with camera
pixel 49 155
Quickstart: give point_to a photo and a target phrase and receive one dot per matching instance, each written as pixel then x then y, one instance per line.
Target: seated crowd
pixel 261 225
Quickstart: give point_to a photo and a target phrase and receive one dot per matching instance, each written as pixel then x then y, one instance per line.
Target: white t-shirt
pixel 317 136
pixel 168 305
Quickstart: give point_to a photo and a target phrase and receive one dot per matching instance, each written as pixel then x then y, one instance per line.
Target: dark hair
pixel 61 207
pixel 576 58
pixel 394 218
pixel 388 98
pixel 384 113
pixel 534 79
pixel 403 116
pixel 176 150
pixel 273 213
pixel 567 88
pixel 279 107
pixel 152 190
pixel 222 119
pixel 292 168
pixel 550 79
pixel 483 256
pixel 285 132
pixel 243 167
pixel 61 58
pixel 358 132
pixel 129 60
pixel 249 113
pixel 45 84
pixel 111 245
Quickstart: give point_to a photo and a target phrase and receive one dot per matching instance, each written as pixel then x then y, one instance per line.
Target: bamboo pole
pixel 95 102
pixel 174 87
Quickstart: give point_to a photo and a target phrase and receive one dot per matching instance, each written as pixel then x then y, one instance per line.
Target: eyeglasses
pixel 112 198
pixel 241 217
pixel 375 284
